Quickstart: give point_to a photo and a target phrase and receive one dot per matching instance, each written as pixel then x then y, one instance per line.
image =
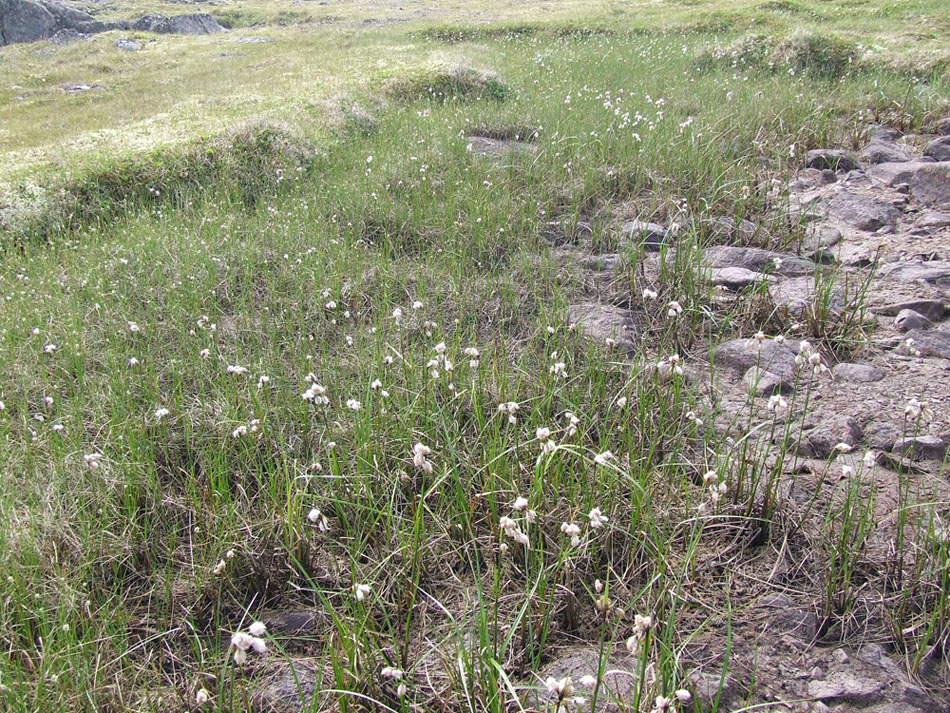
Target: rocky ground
pixel 876 259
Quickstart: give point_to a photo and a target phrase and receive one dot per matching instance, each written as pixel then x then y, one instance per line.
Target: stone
pixel 819 237
pixel 820 441
pixel 929 221
pixel 289 684
pixel 931 184
pixel 765 383
pixel 936 272
pixel 863 212
pixel 846 685
pixel 600 322
pixel 856 373
pixel 193 24
pixel 651 235
pixel 908 319
pixel 253 40
pixel 740 355
pixel 723 227
pixel 710 688
pixel 934 310
pixel 127 45
pixel 882 434
pixel 934 342
pixel 795 296
pixel 884 151
pixel 487 147
pixel 943 126
pixel 938 149
pixel 292 621
pixel 756 260
pixel 923 447
pixel 737 278
pixel 620 678
pixel 608 262
pixel 835 159
pixel 33 20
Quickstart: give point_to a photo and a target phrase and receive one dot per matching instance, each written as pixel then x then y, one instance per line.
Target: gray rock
pixel 930 220
pixel 740 355
pixel 737 278
pixel 863 212
pixel 856 373
pixel 33 20
pixel 757 260
pixel 934 310
pixel 846 685
pixel 708 688
pixel 924 447
pixel 290 684
pixel 253 40
pixel 939 149
pixel 931 184
pixel 608 262
pixel 651 235
pixel 620 679
pixel 795 296
pixel 908 319
pixel 835 159
pixel 293 621
pixel 599 322
pixel 487 147
pixel 936 272
pixel 933 342
pixel 894 174
pixel 765 383
pixel 820 441
pixel 193 24
pixel 943 126
pixel 884 151
pixel 819 237
pixel 127 45
pixel 723 227
pixel 882 434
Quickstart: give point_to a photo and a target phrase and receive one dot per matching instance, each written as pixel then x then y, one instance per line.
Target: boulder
pixel 882 434
pixel 943 126
pixel 934 310
pixel 740 355
pixel 908 319
pixel 922 447
pixel 737 278
pixel 795 296
pixel 933 342
pixel 834 159
pixel 883 149
pixel 863 212
pixel 939 149
pixel 766 383
pixel 651 235
pixel 931 184
pixel 127 45
pixel 856 373
pixel 194 24
pixel 723 227
pixel 756 260
pixel 600 322
pixel 33 20
pixel 820 441
pixel 935 272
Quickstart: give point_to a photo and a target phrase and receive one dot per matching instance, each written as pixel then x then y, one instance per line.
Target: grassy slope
pixel 111 566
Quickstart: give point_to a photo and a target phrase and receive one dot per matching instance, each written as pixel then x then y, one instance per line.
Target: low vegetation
pixel 325 362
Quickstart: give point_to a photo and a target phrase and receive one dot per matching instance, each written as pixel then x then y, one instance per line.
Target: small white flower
pixel 649 294
pixel 92 459
pixel 133 361
pixel 597 519
pixel 510 408
pixel 160 413
pixel 683 696
pixel 331 305
pixel 543 433
pixel 420 452
pixel 562 688
pixel 570 529
pixel 559 369
pixel 318 519
pixel 520 503
pixel 776 402
pixel 377 384
pixel 202 696
pixel 219 568
pixel 417 305
pixel 361 591
pixel 588 681
pixel 204 353
pixel 49 348
pixel 239 431
pixel 603 458
pixel 133 327
pixel 674 309
pixel 237 369
pixel 258 628
pixel 353 404
pixel 620 403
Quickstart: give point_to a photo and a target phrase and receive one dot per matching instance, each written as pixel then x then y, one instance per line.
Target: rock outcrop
pixel 34 20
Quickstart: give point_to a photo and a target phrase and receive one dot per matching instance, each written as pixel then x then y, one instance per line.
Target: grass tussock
pixel 442 84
